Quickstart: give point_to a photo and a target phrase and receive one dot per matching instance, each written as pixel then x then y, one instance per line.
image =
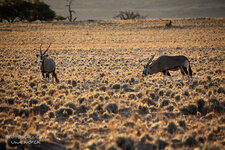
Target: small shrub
pixel 94 116
pixel 200 103
pixel 177 98
pixel 71 105
pixel 33 101
pixel 148 101
pixel 103 88
pixel 186 93
pixel 139 95
pixel 116 86
pixel 74 83
pixel 161 144
pixel 81 100
pixel 51 92
pixel 192 109
pixel 170 108
pixel 82 109
pixel 190 142
pixel 51 115
pixel 42 109
pixel 131 96
pixel 125 143
pixel 182 123
pixel 59 18
pixel 165 103
pixel 143 110
pixel 218 108
pixel 11 101
pixel 152 95
pixel 221 90
pixel 168 93
pixel 201 140
pixel 32 84
pixel 161 93
pixel 172 127
pixel 63 114
pixel 126 15
pixel 112 108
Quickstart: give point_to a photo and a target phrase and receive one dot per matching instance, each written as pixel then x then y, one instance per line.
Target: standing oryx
pixel 47 65
pixel 165 63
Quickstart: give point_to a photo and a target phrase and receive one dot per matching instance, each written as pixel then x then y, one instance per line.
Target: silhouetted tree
pixel 30 10
pixel 26 11
pixel 125 15
pixel 8 11
pixel 44 13
pixel 71 12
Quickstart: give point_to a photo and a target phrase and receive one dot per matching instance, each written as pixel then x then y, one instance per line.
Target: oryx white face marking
pixel 147 68
pixel 42 57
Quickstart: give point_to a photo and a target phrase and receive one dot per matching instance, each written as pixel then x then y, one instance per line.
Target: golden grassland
pixel 101 101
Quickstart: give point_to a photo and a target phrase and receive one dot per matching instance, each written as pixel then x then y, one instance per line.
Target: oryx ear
pixel 37 55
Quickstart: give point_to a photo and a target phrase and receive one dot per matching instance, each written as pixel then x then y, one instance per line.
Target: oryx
pixel 166 63
pixel 47 65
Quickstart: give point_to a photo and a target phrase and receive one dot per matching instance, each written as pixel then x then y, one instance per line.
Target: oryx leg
pixel 43 75
pixel 54 75
pixel 47 76
pixel 186 72
pixel 168 73
pixel 183 73
pixel 164 74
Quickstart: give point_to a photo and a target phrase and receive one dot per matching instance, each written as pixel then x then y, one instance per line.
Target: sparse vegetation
pixel 59 18
pixel 126 15
pixel 71 17
pixel 101 101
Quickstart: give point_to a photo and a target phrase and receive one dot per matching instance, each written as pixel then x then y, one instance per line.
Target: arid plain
pixel 102 101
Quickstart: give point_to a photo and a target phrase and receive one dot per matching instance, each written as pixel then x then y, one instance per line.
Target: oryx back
pixel 164 63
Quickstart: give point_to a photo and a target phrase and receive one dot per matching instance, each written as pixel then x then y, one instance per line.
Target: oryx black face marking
pixel 165 64
pixel 47 65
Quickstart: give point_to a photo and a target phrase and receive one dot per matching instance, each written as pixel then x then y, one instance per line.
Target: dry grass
pixel 102 101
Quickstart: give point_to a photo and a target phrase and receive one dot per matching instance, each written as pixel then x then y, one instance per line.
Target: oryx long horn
pixel 150 60
pixel 47 48
pixel 40 49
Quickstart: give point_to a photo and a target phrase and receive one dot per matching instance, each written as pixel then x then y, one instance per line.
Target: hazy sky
pixel 107 9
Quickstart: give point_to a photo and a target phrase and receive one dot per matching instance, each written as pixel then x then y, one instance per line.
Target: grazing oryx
pixel 47 65
pixel 169 24
pixel 165 63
